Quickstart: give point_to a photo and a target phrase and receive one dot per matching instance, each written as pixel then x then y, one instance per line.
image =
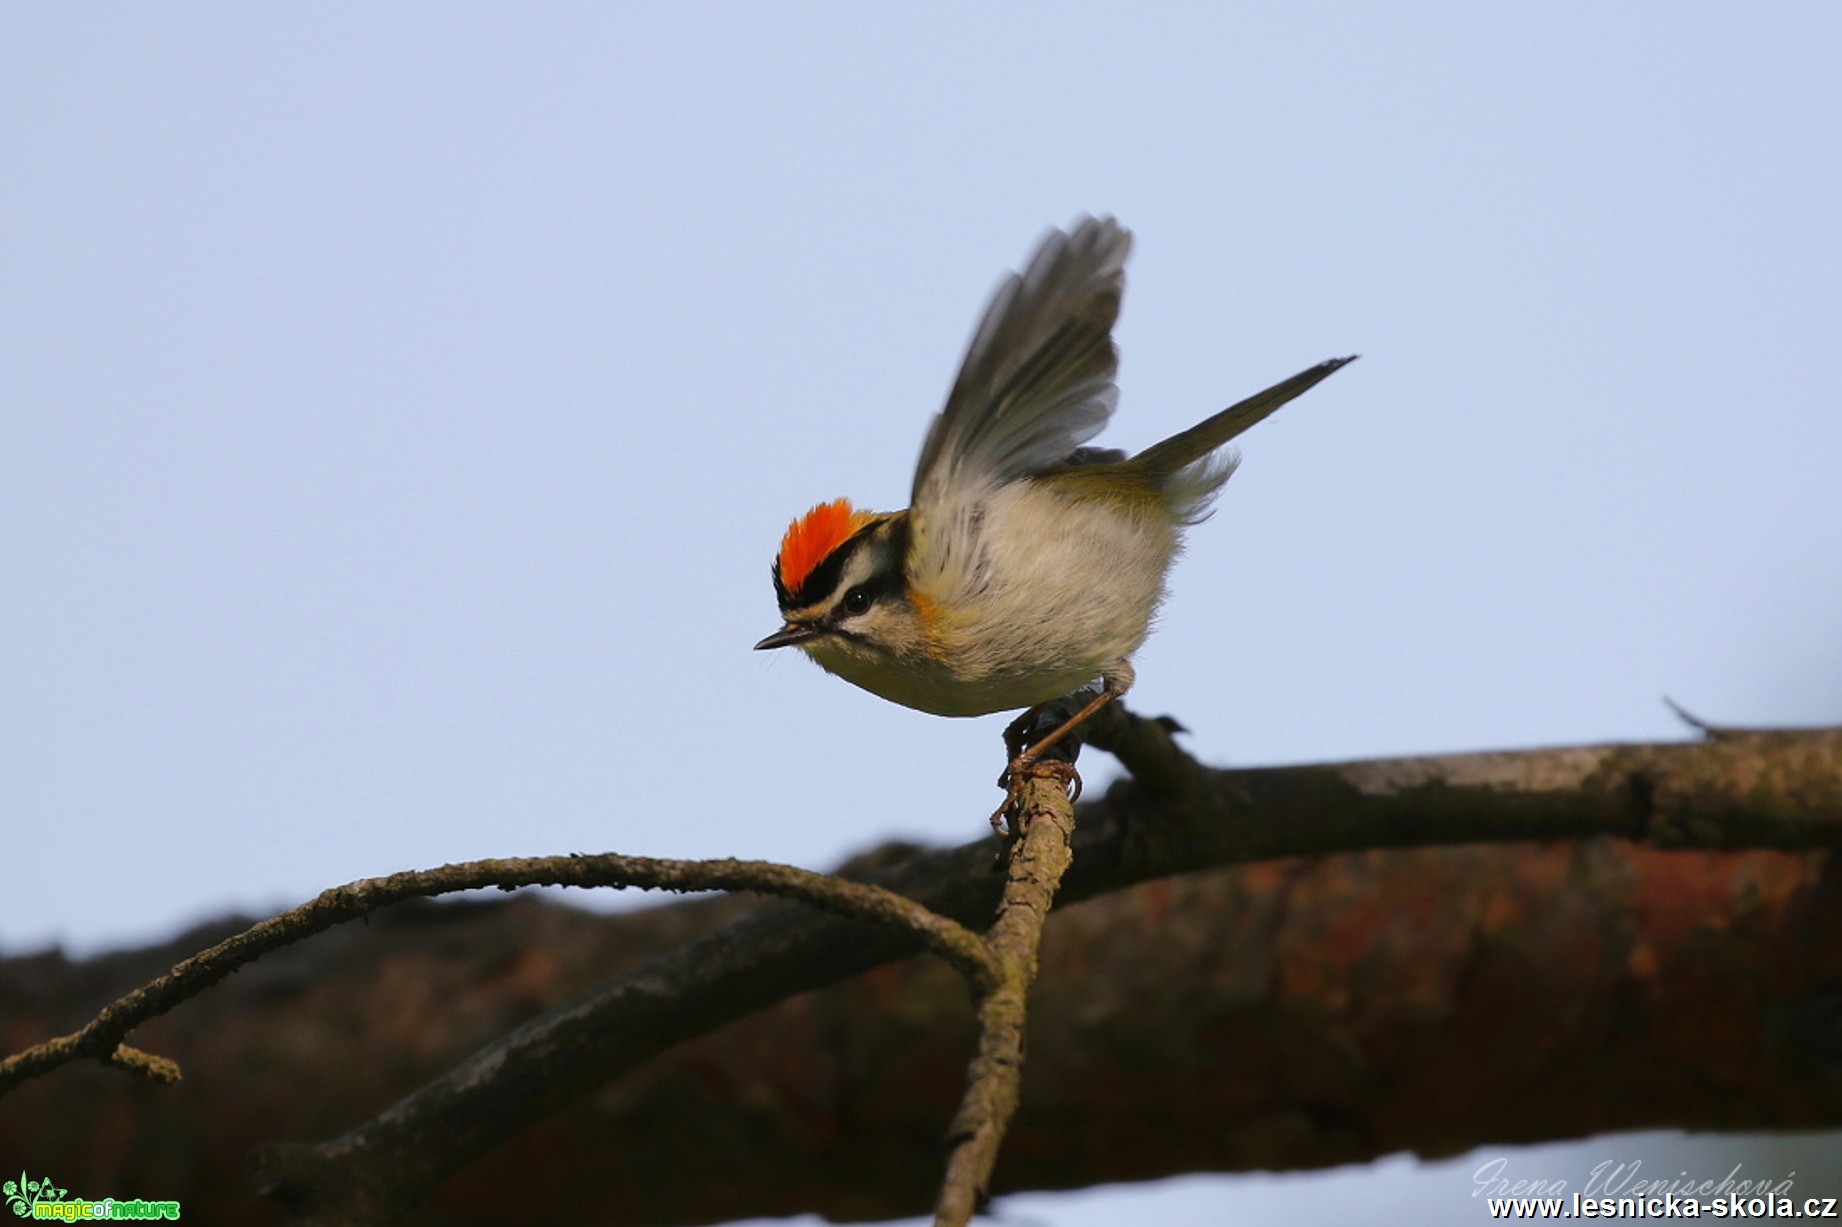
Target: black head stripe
pixel 822 579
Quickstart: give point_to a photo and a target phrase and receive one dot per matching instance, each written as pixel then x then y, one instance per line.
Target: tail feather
pixel 1163 460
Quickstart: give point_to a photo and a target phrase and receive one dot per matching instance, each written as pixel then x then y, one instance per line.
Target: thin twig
pixel 102 1037
pixel 1040 856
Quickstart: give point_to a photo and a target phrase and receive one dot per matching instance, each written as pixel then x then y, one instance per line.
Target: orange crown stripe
pixel 814 535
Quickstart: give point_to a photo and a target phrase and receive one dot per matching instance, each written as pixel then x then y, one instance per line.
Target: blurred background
pixel 402 405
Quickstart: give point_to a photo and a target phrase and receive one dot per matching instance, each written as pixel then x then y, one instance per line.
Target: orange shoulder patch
pixel 814 535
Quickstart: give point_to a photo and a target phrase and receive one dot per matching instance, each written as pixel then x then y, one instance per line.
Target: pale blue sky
pixel 402 403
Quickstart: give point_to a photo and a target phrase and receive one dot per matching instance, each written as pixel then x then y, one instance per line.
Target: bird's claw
pixel 1023 768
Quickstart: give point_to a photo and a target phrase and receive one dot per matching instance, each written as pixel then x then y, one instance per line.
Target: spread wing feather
pixel 1037 383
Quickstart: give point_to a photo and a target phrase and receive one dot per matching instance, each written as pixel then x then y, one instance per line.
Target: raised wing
pixel 1037 383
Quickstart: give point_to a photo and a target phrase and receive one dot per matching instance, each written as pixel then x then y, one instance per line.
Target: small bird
pixel 1026 565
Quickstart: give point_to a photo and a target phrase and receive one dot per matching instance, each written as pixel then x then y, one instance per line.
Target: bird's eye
pixel 856 601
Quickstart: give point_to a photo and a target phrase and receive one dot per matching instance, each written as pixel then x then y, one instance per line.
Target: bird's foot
pixel 1017 734
pixel 1010 817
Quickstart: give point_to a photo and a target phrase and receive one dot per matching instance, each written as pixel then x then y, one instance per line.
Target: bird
pixel 1027 565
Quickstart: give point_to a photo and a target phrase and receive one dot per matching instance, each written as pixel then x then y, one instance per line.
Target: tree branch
pixel 1759 789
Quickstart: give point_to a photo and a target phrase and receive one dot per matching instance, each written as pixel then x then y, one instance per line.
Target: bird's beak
pixel 787 636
